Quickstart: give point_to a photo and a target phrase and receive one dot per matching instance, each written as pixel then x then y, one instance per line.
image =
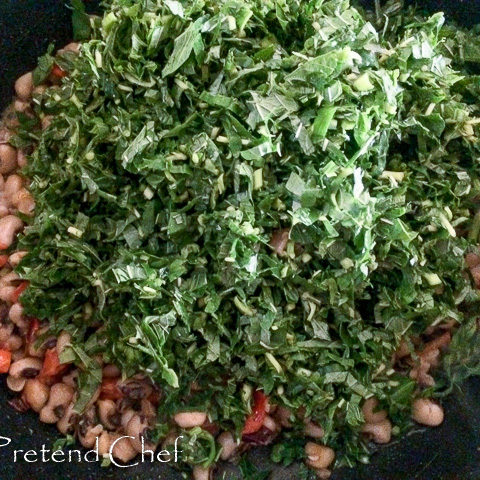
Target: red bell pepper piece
pixel 109 389
pixel 51 364
pixel 32 331
pixel 255 420
pixel 5 360
pixel 58 72
pixel 18 291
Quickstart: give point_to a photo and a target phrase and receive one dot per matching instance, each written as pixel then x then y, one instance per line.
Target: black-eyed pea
pixel 201 473
pixel 228 444
pixel 21 159
pixel 107 413
pixel 8 158
pixel 13 184
pixel 313 430
pixel 104 442
pixel 14 342
pixel 36 394
pixel 380 432
pixel 18 355
pixel 190 419
pixel 15 384
pixel 16 257
pixel 371 414
pixel 89 437
pixel 427 412
pixel 66 423
pixel 71 47
pixel 319 456
pixel 39 90
pixel 6 330
pixel 323 473
pixel 9 227
pixel 271 424
pixel 126 417
pixel 60 396
pixel 63 340
pixel 21 106
pixel 23 201
pixel 111 371
pixel 147 409
pixel 27 368
pixel 137 429
pixel 24 86
pixel 121 448
pixel 71 379
pixel 284 416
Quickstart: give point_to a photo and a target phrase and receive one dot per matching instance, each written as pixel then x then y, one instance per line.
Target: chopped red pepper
pixel 255 420
pixel 58 72
pixel 18 291
pixel 5 360
pixel 32 331
pixel 110 390
pixel 51 364
pixel 3 260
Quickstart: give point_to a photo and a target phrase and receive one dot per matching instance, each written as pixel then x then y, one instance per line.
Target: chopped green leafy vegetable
pixel 261 193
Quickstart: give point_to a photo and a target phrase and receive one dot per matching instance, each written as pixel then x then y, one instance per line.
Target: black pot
pixel 448 452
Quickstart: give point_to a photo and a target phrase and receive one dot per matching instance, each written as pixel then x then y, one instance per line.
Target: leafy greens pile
pixel 188 134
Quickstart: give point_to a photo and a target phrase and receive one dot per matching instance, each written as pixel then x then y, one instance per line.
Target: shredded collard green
pixel 188 134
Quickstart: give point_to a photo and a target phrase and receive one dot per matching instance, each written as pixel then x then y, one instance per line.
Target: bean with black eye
pixel 36 394
pixel 24 86
pixel 28 367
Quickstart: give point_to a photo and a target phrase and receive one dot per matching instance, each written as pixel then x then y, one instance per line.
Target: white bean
pixel 200 473
pixel 65 424
pixel 24 86
pixel 121 448
pixel 126 417
pixel 71 47
pixel 12 185
pixel 8 158
pixel 9 227
pixel 370 412
pixel 60 396
pixel 21 159
pixel 15 384
pixel 23 201
pixel 319 456
pixel 63 340
pixel 104 442
pixel 313 430
pixel 26 368
pixel 136 428
pixel 16 257
pixel 21 106
pixel 190 419
pixel 228 444
pixel 380 432
pixel 427 412
pixel 36 394
pixel 90 437
pixel 14 342
pixel 6 293
pixel 6 330
pixel 106 408
pixel 111 371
